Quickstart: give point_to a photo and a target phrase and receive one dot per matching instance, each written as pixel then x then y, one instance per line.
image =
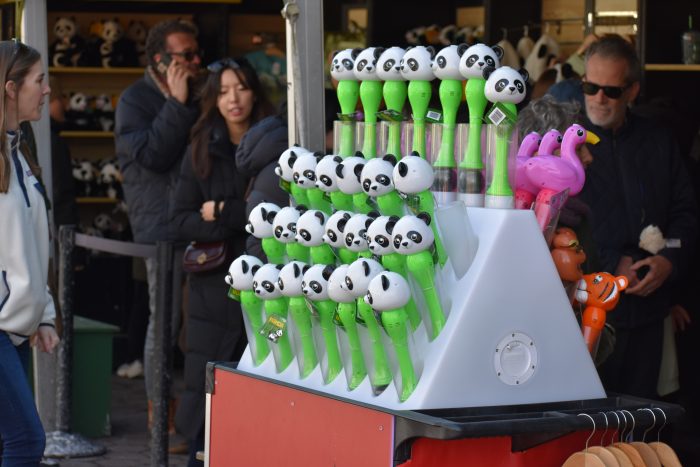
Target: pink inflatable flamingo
pixel 550 143
pixel 553 174
pixel 524 190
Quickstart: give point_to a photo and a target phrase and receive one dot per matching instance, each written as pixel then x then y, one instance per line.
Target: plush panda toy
pixel 413 174
pixel 285 223
pixel 505 84
pixel 365 68
pixel 315 283
pixel 389 64
pixel 380 234
pixel 446 64
pixel 387 291
pixel 311 228
pixel 473 60
pixel 335 228
pixel 412 234
pixel 416 64
pixel 68 46
pixel 377 176
pixel 265 282
pixel 79 115
pixel 104 111
pixel 85 175
pixel 343 64
pixel 116 50
pixel 356 232
pixel 137 32
pixel 260 220
pixel 110 179
pixel 241 272
pixel 349 172
pixel 359 275
pixel 291 277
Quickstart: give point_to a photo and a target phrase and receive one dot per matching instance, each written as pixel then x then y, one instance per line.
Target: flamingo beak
pixel 592 138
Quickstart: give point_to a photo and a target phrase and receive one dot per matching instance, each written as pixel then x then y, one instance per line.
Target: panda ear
pixel 339 170
pixel 359 154
pixel 425 217
pixel 414 153
pixel 255 269
pixel 408 48
pixel 292 158
pixel 263 213
pixel 301 208
pixel 320 216
pixel 279 266
pixel 372 215
pixel 358 170
pixel 365 268
pixel 271 216
pixel 431 51
pixel 378 51
pixel 327 271
pixel 355 52
pixel 295 268
pixel 461 48
pixel 319 155
pixel 498 50
pixel 338 159
pixel 305 268
pixel 523 72
pixel 487 71
pixel 403 169
pixel 386 283
pixel 390 158
pixel 542 51
pixel 391 223
pixel 244 266
pixel 335 52
pixel 342 223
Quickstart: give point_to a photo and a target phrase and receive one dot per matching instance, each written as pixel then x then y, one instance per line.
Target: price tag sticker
pixel 390 115
pixel 433 116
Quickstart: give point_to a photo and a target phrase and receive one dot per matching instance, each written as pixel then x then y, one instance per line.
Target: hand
pixel 45 338
pixel 624 268
pixel 680 318
pixel 659 270
pixel 207 210
pixel 176 77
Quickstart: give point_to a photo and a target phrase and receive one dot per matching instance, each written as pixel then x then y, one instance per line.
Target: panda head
pixel 65 28
pixel 446 64
pixel 83 170
pixel 111 30
pixel 389 64
pixel 359 275
pixel 109 172
pixel 416 63
pixel 348 174
pixel 326 178
pixel 377 176
pixel 335 228
pixel 78 101
pixel 265 282
pixel 336 286
pixel 388 291
pixel 311 228
pixel 260 220
pixel 474 59
pixel 315 283
pixel 505 84
pixel 356 232
pixel 413 174
pixel 290 278
pixel 412 234
pixel 286 161
pixel 284 226
pixel 304 169
pixel 380 235
pixel 343 64
pixel 241 272
pixel 366 64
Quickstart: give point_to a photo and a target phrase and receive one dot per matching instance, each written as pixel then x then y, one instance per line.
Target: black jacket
pixel 637 179
pixel 151 134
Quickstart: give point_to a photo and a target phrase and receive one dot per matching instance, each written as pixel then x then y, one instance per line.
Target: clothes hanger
pixel 584 458
pixel 630 451
pixel 648 454
pixel 606 456
pixel 619 454
pixel 667 455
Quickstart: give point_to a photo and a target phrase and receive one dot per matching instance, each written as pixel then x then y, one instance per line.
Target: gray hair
pixel 616 47
pixel 546 113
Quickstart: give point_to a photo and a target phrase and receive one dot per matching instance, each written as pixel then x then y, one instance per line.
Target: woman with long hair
pixel 26 306
pixel 209 205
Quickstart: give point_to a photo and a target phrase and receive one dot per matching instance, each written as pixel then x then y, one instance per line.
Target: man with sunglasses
pixel 636 179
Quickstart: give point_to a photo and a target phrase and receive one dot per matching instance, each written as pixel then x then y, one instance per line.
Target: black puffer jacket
pixel 151 134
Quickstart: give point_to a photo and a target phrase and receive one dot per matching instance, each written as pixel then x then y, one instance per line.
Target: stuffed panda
pixel 79 115
pixel 315 283
pixel 291 277
pixel 326 178
pixel 311 228
pixel 304 169
pixel 285 223
pixel 104 223
pixel 389 64
pixel 416 36
pixel 110 179
pixel 413 174
pixel 343 64
pixel 84 176
pixel 365 68
pixel 446 64
pixel 286 162
pixel 356 232
pixel 115 49
pixel 387 291
pixel 474 59
pixel 416 64
pixel 335 228
pixel 265 282
pixel 68 47
pixel 447 34
pixel 260 220
pixel 104 111
pixel 137 32
pixel 336 286
pixel 241 272
pixel 412 234
pixel 359 275
pixel 380 235
pixel 377 176
pixel 348 173
pixel 505 84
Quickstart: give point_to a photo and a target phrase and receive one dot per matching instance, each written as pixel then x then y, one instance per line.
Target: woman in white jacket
pixel 26 307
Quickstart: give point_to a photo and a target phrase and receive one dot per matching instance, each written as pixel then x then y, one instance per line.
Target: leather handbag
pixel 205 256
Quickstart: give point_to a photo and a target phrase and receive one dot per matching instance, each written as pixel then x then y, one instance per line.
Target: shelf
pixel 87 134
pixel 670 67
pixel 86 70
pixel 95 200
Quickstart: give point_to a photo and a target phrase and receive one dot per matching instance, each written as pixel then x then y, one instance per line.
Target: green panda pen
pixel 311 227
pixel 284 230
pixel 370 95
pixel 377 183
pixel 348 93
pixel 327 181
pixel 284 171
pixel 395 92
pixel 395 262
pixel 416 68
pixel 260 226
pixel 265 285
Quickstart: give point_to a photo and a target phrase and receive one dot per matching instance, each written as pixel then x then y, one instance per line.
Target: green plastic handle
pixel 396 262
pixel 317 200
pixel 274 250
pixel 476 102
pixel 394 322
pixel 358 371
pixel 500 186
pixel 381 376
pixel 298 252
pixel 252 306
pixel 361 202
pixel 348 93
pixel 326 313
pixel 391 204
pixel 346 256
pixel 299 194
pixel 419 93
pixel 322 254
pixel 450 98
pixel 395 93
pixel 279 307
pixel 426 203
pixel 421 267
pixel 371 96
pixel 302 318
pixel 341 201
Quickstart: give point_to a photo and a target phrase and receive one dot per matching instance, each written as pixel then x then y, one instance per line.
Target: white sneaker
pixel 135 369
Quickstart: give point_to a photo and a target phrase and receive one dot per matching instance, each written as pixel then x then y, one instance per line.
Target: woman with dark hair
pixel 26 306
pixel 209 205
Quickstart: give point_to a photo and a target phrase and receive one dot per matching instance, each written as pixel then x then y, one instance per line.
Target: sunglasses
pixel 188 55
pixel 222 64
pixel 613 92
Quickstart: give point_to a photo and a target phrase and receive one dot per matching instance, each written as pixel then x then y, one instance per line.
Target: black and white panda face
pixel 377 176
pixel 290 278
pixel 64 28
pixel 388 291
pixel 348 173
pixel 304 170
pixel 446 64
pixel 336 286
pixel 83 170
pixel 416 64
pixel 311 228
pixel 326 178
pixel 343 63
pixel 413 174
pixel 335 228
pixel 474 59
pixel 380 235
pixel 412 234
pixel 78 101
pixel 315 283
pixel 388 65
pixel 286 162
pixel 103 222
pixel 366 64
pixel 260 220
pixel 241 272
pixel 506 85
pixel 356 232
pixel 265 282
pixel 284 226
pixel 359 275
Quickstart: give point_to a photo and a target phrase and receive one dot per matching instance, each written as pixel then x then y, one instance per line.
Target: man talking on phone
pixel 153 120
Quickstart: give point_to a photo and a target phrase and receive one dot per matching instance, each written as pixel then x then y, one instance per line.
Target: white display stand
pixel 510 338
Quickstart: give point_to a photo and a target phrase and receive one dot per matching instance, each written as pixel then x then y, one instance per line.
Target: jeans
pixel 23 437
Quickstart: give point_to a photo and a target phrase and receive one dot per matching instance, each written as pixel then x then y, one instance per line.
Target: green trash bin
pixel 92 377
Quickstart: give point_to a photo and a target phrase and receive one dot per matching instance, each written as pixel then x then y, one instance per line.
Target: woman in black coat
pixel 209 205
